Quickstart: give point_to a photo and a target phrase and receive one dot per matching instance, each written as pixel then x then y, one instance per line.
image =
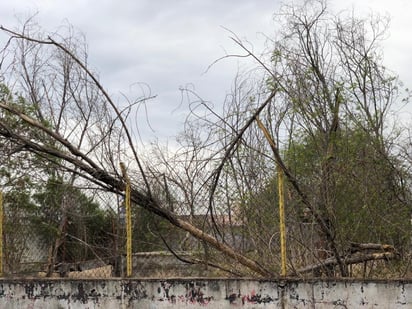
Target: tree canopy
pixel 321 90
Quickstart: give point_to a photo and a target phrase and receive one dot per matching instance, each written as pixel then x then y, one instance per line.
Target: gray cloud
pixel 168 44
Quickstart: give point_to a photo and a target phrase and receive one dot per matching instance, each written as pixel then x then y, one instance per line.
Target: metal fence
pixel 74 232
pixel 56 234
pixel 63 230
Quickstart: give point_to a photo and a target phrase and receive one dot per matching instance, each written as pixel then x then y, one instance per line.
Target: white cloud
pixel 168 44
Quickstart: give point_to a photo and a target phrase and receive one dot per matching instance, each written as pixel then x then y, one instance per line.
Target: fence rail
pixel 86 233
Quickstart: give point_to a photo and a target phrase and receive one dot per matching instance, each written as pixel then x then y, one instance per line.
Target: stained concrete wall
pixel 200 293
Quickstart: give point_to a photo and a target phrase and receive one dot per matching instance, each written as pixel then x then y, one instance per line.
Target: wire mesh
pixel 58 232
pixel 74 231
pixel 62 230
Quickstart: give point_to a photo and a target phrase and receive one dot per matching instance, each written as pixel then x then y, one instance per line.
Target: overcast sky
pixel 170 44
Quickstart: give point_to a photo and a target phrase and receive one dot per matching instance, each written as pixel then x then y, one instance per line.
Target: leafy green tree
pixel 152 234
pixel 17 164
pixel 323 79
pixel 87 231
pixel 369 204
pixel 19 232
pixel 327 101
pixel 367 192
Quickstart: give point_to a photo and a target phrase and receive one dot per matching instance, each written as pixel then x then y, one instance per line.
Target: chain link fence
pixel 63 230
pixel 74 232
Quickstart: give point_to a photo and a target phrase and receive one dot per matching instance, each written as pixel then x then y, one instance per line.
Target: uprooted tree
pixel 323 93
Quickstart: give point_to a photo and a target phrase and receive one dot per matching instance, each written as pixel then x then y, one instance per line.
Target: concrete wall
pixel 200 293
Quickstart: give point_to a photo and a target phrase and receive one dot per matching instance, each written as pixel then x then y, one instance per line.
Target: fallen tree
pixel 323 97
pixel 358 253
pixel 84 163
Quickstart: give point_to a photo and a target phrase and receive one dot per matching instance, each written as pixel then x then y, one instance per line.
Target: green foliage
pixel 365 199
pixel 365 187
pixel 148 230
pixel 260 213
pixel 54 210
pixel 17 229
pixel 86 226
pixel 17 165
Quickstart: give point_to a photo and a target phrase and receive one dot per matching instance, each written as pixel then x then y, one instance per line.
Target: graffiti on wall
pixel 250 298
pixel 194 293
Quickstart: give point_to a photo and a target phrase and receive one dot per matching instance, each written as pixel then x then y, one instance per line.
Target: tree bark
pixel 358 258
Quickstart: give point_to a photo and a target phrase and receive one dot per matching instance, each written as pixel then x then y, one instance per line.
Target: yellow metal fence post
pixel 282 220
pixel 128 222
pixel 281 197
pixel 1 233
